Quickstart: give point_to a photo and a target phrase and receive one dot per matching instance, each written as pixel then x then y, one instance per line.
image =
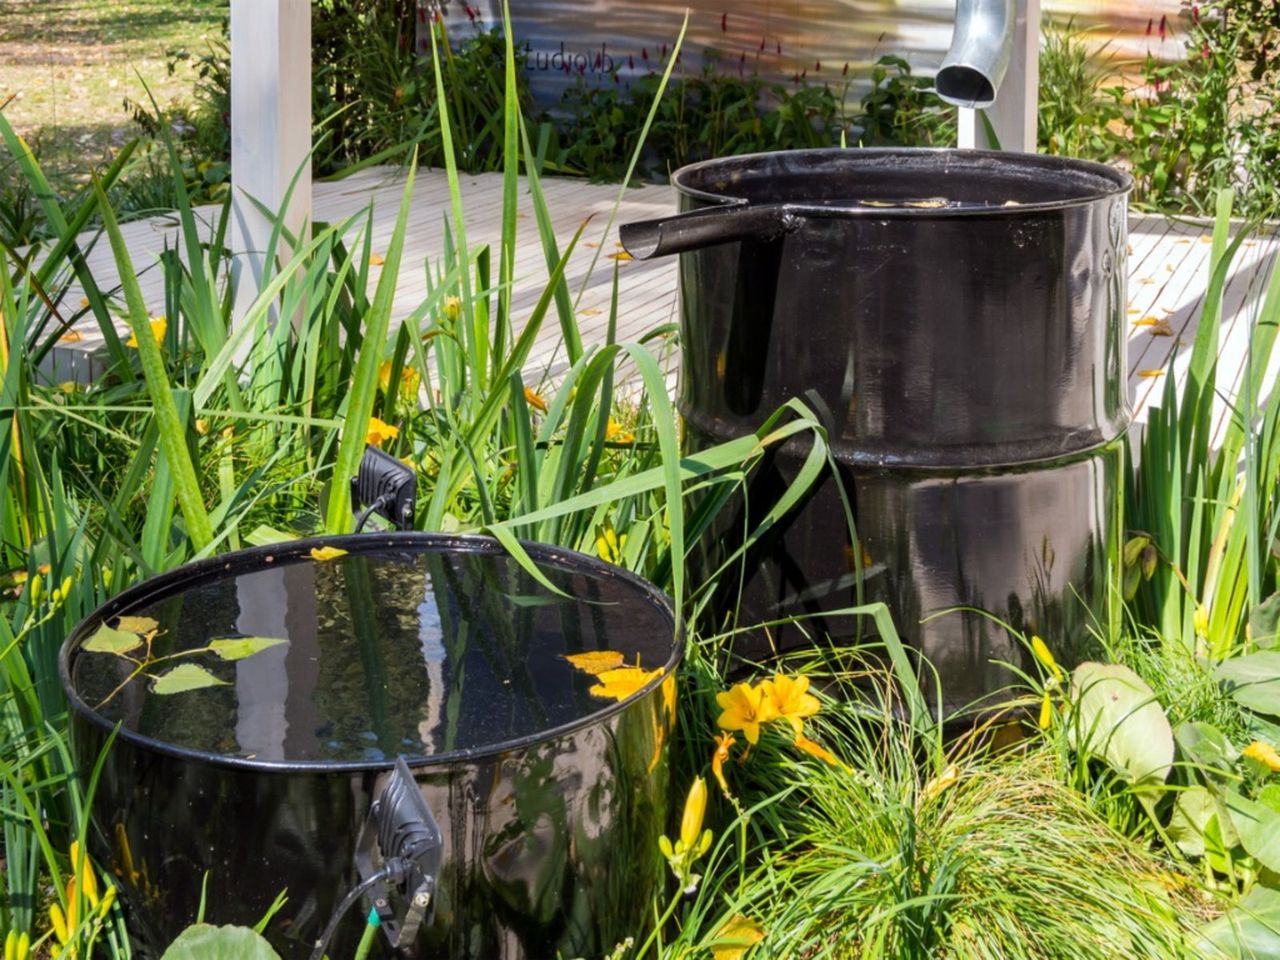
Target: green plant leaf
pixel 1258 826
pixel 1264 622
pixel 1254 680
pixel 1206 746
pixel 182 678
pixel 205 942
pixel 1190 820
pixel 1249 931
pixel 237 648
pixel 1119 720
pixel 110 640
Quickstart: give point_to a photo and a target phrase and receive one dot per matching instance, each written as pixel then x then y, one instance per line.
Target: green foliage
pixel 205 942
pixel 1075 112
pixel 724 111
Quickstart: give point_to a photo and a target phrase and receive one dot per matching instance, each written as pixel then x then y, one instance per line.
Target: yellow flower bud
pixel 66 586
pixel 37 584
pixel 1201 621
pixel 59 923
pixel 1046 711
pixel 695 807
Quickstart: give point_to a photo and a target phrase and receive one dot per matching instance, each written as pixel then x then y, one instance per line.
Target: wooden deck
pixel 1168 270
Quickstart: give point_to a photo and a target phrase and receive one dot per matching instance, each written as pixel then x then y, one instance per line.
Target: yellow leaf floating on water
pixel 622 683
pixel 321 554
pixel 596 662
pixel 1151 374
pixel 929 203
pixel 137 624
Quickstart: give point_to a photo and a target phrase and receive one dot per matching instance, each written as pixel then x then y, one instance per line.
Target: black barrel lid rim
pixel 1121 183
pixel 162 585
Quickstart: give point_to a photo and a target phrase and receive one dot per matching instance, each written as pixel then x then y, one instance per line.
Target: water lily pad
pixel 237 648
pixel 1119 720
pixel 205 942
pixel 110 640
pixel 1253 680
pixel 186 677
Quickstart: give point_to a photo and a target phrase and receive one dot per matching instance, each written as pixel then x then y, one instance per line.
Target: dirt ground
pixel 66 67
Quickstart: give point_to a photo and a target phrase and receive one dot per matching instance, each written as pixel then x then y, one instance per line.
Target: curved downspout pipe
pixel 981 47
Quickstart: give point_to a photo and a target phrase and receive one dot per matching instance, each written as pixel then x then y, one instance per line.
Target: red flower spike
pixel 631 62
pixel 817 66
pixel 845 71
pixel 724 23
pixel 644 53
pixel 1164 25
pixel 1150 23
pixel 762 39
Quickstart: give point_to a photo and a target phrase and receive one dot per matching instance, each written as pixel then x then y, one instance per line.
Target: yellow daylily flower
pixel 158 327
pixel 745 708
pixel 614 433
pixel 1264 753
pixel 736 937
pixel 791 700
pixel 409 379
pixel 379 431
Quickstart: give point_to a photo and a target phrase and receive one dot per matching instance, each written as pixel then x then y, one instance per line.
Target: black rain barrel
pixel 529 786
pixel 956 321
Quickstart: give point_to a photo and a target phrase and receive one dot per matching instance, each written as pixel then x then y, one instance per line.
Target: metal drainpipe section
pixel 994 50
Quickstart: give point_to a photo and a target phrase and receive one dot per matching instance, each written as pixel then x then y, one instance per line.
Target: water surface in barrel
pixel 373 654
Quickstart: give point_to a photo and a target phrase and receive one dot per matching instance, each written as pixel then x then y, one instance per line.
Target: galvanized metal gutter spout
pixel 980 50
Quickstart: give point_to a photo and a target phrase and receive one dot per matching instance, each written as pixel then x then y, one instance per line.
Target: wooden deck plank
pixel 1167 265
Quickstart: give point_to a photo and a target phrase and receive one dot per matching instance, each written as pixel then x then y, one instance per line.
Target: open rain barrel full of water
pixel 955 319
pixel 535 782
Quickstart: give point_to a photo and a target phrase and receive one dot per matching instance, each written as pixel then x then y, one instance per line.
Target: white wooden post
pixel 1013 115
pixel 270 129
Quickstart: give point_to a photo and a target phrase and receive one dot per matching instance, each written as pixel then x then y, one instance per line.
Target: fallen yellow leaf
pixel 376 260
pixel 84 301
pixel 71 336
pixel 1151 373
pixel 1160 329
pixel 622 683
pixel 321 554
pixel 1146 322
pixel 596 662
pixel 621 255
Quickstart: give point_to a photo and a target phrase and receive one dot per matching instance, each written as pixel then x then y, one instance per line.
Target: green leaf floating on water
pixel 1119 720
pixel 183 678
pixel 110 640
pixel 1254 680
pixel 237 648
pixel 205 942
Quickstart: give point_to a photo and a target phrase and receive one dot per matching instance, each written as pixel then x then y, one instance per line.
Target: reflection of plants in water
pixel 133 634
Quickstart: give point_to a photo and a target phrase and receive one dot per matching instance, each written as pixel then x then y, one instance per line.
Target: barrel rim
pixel 161 585
pixel 1044 164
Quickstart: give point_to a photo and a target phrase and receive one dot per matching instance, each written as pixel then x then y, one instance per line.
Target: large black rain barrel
pixel 956 321
pixel 420 697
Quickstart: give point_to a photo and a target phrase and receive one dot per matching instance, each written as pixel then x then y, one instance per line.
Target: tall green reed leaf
pixel 171 426
pixel 365 381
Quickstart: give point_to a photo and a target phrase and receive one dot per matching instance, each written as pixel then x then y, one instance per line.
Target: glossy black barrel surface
pixel 955 319
pixel 437 649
